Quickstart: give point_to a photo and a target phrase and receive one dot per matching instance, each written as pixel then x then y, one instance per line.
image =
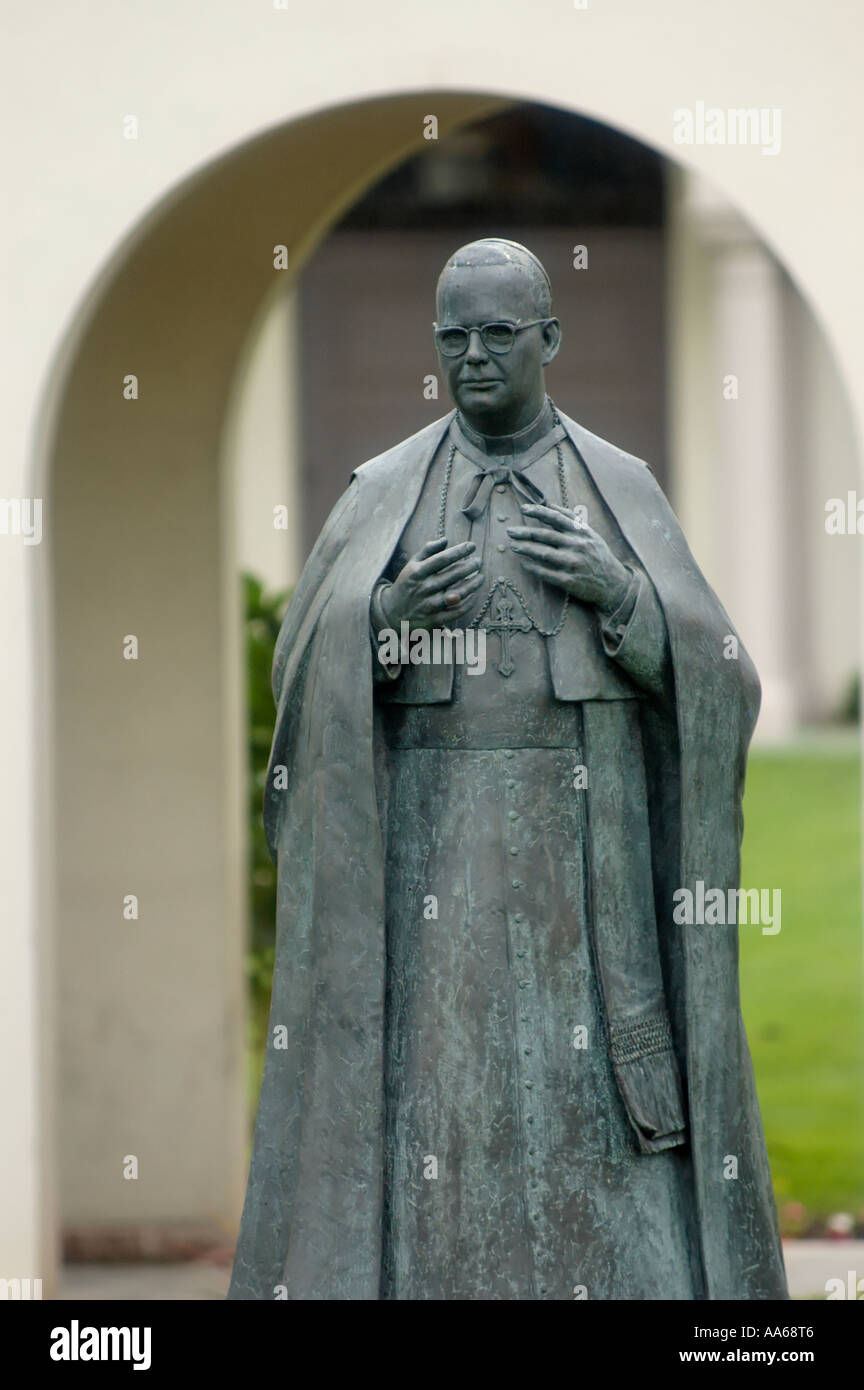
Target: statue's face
pixel 497 392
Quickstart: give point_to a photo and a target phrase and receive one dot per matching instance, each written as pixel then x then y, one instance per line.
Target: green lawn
pixel 802 989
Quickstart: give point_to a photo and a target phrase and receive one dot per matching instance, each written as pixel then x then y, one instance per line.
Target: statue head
pixel 496 377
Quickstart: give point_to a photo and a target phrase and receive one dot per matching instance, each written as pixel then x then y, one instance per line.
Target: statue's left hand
pixel 554 547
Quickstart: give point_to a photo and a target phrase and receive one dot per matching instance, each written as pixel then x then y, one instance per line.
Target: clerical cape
pixel 312 1222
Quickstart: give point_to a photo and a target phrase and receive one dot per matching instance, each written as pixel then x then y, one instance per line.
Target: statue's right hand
pixel 436 586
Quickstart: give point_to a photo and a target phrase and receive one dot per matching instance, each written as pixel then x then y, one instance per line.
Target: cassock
pixel 504 1071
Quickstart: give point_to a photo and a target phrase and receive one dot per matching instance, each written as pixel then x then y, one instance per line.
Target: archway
pixel 152 1074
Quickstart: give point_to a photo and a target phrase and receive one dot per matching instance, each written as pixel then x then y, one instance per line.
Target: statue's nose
pixel 476 351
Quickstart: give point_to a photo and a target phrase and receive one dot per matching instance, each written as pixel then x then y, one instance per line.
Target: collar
pixel 508 446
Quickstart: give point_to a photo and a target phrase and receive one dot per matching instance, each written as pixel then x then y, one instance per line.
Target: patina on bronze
pixel 507 1071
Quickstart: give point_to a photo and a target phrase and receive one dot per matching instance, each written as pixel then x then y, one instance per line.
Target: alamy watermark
pixel 21 516
pixel 716 907
pixel 741 125
pixel 20 1290
pixel 77 1343
pixel 845 516
pixel 438 646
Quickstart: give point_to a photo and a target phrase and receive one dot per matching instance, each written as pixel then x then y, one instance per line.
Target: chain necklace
pixel 505 584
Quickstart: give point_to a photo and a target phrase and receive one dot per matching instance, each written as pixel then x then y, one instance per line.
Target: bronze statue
pixel 499 1067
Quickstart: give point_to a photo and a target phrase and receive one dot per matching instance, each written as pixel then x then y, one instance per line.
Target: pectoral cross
pixel 503 624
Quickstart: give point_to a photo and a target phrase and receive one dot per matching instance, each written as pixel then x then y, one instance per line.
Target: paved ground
pixel 144 1281
pixel 809 1263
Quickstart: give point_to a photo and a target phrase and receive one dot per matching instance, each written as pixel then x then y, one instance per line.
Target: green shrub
pixel 263 618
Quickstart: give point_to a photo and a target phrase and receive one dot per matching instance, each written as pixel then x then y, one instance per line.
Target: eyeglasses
pixel 495 337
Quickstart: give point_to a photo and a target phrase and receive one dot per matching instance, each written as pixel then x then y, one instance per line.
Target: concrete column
pixel 756 481
pixel 732 474
pixel 27 1012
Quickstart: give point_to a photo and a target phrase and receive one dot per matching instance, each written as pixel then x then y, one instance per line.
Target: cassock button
pixel 500 487
pixel 510 782
pixel 519 917
pixel 513 849
pixel 513 815
pixel 502 516
pixel 502 548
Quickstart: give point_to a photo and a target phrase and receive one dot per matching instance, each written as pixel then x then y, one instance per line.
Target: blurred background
pixel 685 342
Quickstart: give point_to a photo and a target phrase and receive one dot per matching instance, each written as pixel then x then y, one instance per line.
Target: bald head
pixel 520 267
pixel 493 281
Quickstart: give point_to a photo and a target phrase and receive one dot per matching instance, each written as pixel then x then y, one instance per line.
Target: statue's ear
pixel 551 341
